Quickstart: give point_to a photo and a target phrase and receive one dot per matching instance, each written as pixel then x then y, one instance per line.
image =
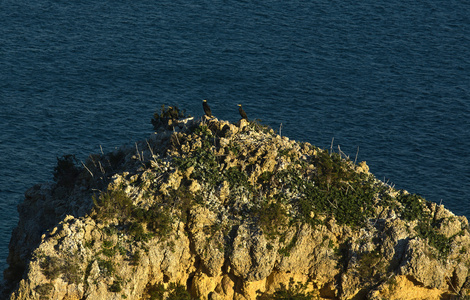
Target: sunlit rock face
pixel 213 210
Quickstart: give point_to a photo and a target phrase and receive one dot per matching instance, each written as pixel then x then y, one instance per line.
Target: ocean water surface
pixel 389 80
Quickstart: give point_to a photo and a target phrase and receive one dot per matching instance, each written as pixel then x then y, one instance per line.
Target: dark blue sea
pixel 389 80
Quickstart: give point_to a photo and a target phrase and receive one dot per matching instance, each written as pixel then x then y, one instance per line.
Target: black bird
pixel 242 112
pixel 207 109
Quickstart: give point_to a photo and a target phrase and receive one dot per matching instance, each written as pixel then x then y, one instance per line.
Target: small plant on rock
pixel 44 290
pixel 295 291
pixel 165 115
pixel 66 170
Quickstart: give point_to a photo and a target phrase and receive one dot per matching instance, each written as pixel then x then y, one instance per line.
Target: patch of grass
pixel 295 291
pixel 237 178
pixel 89 244
pixel 439 241
pixel 135 258
pixel 265 178
pixel 286 250
pixel 413 206
pixel 137 231
pixel 178 292
pixel 234 148
pixel 72 273
pixel 173 292
pixel 159 220
pixel 108 249
pixel 272 216
pixel 116 204
pixel 204 161
pixel 336 190
pixel 106 267
pixel 259 127
pixel 156 291
pixel 368 265
pixel 113 204
pixel 116 286
pixel 44 290
pixel 51 267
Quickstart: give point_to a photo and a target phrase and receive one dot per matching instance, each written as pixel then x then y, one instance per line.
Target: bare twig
pixel 357 152
pixel 138 153
pixel 331 147
pixel 451 285
pixel 101 168
pixel 87 168
pixel 153 155
pixel 342 153
pixel 379 215
pixel 332 204
pixel 176 136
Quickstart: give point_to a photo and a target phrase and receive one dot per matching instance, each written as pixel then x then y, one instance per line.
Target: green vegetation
pixel 237 178
pixel 415 207
pixel 295 291
pixel 308 190
pixel 271 217
pixel 116 204
pixel 113 204
pixel 53 267
pixel 135 258
pixel 44 290
pixel 370 267
pixel 165 114
pixel 257 125
pixel 286 250
pixel 106 267
pixel 173 292
pixel 336 190
pixel 440 242
pixel 202 159
pixel 115 287
pixel 110 250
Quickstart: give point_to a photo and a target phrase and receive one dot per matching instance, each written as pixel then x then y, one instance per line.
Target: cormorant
pixel 207 109
pixel 242 112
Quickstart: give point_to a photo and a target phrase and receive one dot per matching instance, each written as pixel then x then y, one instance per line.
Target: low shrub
pixel 295 291
pixel 66 170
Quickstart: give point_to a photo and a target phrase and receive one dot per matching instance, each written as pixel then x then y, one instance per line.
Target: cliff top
pixel 209 209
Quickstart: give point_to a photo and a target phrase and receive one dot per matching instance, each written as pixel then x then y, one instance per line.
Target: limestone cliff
pixel 213 210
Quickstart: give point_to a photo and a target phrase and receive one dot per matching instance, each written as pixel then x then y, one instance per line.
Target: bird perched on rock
pixel 242 112
pixel 207 109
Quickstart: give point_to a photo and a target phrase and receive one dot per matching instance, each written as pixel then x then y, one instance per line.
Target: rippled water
pixel 389 78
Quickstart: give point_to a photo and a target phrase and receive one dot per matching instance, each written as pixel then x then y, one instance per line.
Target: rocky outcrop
pixel 213 210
